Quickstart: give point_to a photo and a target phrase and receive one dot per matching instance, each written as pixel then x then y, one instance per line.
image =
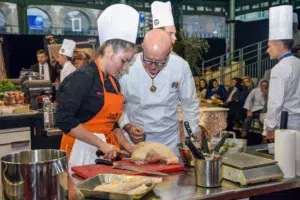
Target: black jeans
pixel 248 120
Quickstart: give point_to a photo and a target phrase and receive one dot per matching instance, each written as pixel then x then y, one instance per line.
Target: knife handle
pixel 218 146
pixel 196 152
pixel 189 130
pixel 204 142
pixel 103 162
pixel 100 153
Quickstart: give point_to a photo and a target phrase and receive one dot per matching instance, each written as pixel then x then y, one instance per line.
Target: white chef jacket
pixel 46 71
pixel 255 100
pixel 156 113
pixel 284 93
pixel 67 69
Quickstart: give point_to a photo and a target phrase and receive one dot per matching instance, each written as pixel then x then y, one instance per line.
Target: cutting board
pixel 89 171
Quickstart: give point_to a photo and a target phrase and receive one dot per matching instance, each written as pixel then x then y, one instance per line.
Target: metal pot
pixel 29 75
pixel 37 174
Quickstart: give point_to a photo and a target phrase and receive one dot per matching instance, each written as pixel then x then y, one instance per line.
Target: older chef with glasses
pixel 156 81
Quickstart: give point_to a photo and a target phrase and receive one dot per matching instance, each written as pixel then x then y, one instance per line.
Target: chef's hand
pixel 110 151
pixel 269 135
pixel 135 132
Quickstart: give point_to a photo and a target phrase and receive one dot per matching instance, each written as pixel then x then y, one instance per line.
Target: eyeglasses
pixel 156 63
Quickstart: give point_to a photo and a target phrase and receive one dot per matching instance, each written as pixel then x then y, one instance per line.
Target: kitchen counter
pixel 180 185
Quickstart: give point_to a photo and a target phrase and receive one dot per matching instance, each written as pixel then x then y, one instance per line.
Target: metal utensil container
pixel 38 174
pixel 208 173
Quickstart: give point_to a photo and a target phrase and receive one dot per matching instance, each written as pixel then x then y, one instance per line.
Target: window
pixel 38 21
pixel 2 23
pixel 76 23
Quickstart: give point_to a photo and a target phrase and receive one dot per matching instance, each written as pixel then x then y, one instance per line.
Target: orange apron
pixel 105 120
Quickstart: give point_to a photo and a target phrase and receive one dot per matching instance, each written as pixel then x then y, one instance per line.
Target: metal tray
pixel 30 113
pixel 87 187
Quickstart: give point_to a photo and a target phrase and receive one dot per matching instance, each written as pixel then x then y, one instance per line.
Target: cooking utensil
pixel 137 169
pixel 208 173
pixel 100 153
pixel 204 142
pixel 26 174
pixel 196 152
pixel 189 130
pixel 103 162
pixel 218 146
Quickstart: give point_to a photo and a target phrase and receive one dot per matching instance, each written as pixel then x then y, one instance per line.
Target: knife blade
pixel 137 169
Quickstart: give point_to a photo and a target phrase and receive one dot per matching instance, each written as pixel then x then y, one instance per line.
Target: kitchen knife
pixel 204 142
pixel 189 130
pixel 196 152
pixel 100 153
pixel 137 169
pixel 103 162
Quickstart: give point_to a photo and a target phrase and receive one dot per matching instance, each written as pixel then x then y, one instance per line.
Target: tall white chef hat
pixel 281 23
pixel 161 14
pixel 118 21
pixel 67 48
pixel 295 18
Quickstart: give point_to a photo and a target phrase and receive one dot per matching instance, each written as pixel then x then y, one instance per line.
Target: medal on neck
pixel 153 87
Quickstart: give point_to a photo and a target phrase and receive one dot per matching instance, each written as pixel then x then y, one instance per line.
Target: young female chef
pixel 90 103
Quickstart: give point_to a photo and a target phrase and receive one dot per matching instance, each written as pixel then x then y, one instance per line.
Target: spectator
pixel 216 91
pixel 254 105
pixel 248 85
pixel 233 102
pixel 203 88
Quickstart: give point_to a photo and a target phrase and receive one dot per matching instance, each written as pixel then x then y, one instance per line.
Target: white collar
pixel 45 65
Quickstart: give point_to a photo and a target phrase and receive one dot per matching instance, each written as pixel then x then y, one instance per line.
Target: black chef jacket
pixel 79 99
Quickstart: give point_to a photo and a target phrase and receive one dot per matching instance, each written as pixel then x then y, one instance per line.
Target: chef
pixel 65 57
pixel 90 102
pixel 284 88
pixel 156 81
pixel 162 18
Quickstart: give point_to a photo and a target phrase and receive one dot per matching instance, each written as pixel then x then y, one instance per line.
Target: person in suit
pixel 43 67
pixel 233 102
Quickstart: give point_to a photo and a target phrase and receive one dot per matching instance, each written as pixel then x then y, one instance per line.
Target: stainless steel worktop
pixel 181 185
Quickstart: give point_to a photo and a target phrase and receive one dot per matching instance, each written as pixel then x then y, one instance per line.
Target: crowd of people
pixel 244 100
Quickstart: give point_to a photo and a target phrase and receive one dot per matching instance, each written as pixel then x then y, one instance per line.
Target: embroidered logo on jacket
pixel 175 85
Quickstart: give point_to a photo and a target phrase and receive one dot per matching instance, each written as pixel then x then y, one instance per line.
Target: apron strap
pixel 97 61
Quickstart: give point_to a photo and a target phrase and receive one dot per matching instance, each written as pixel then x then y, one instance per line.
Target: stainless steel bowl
pixel 37 174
